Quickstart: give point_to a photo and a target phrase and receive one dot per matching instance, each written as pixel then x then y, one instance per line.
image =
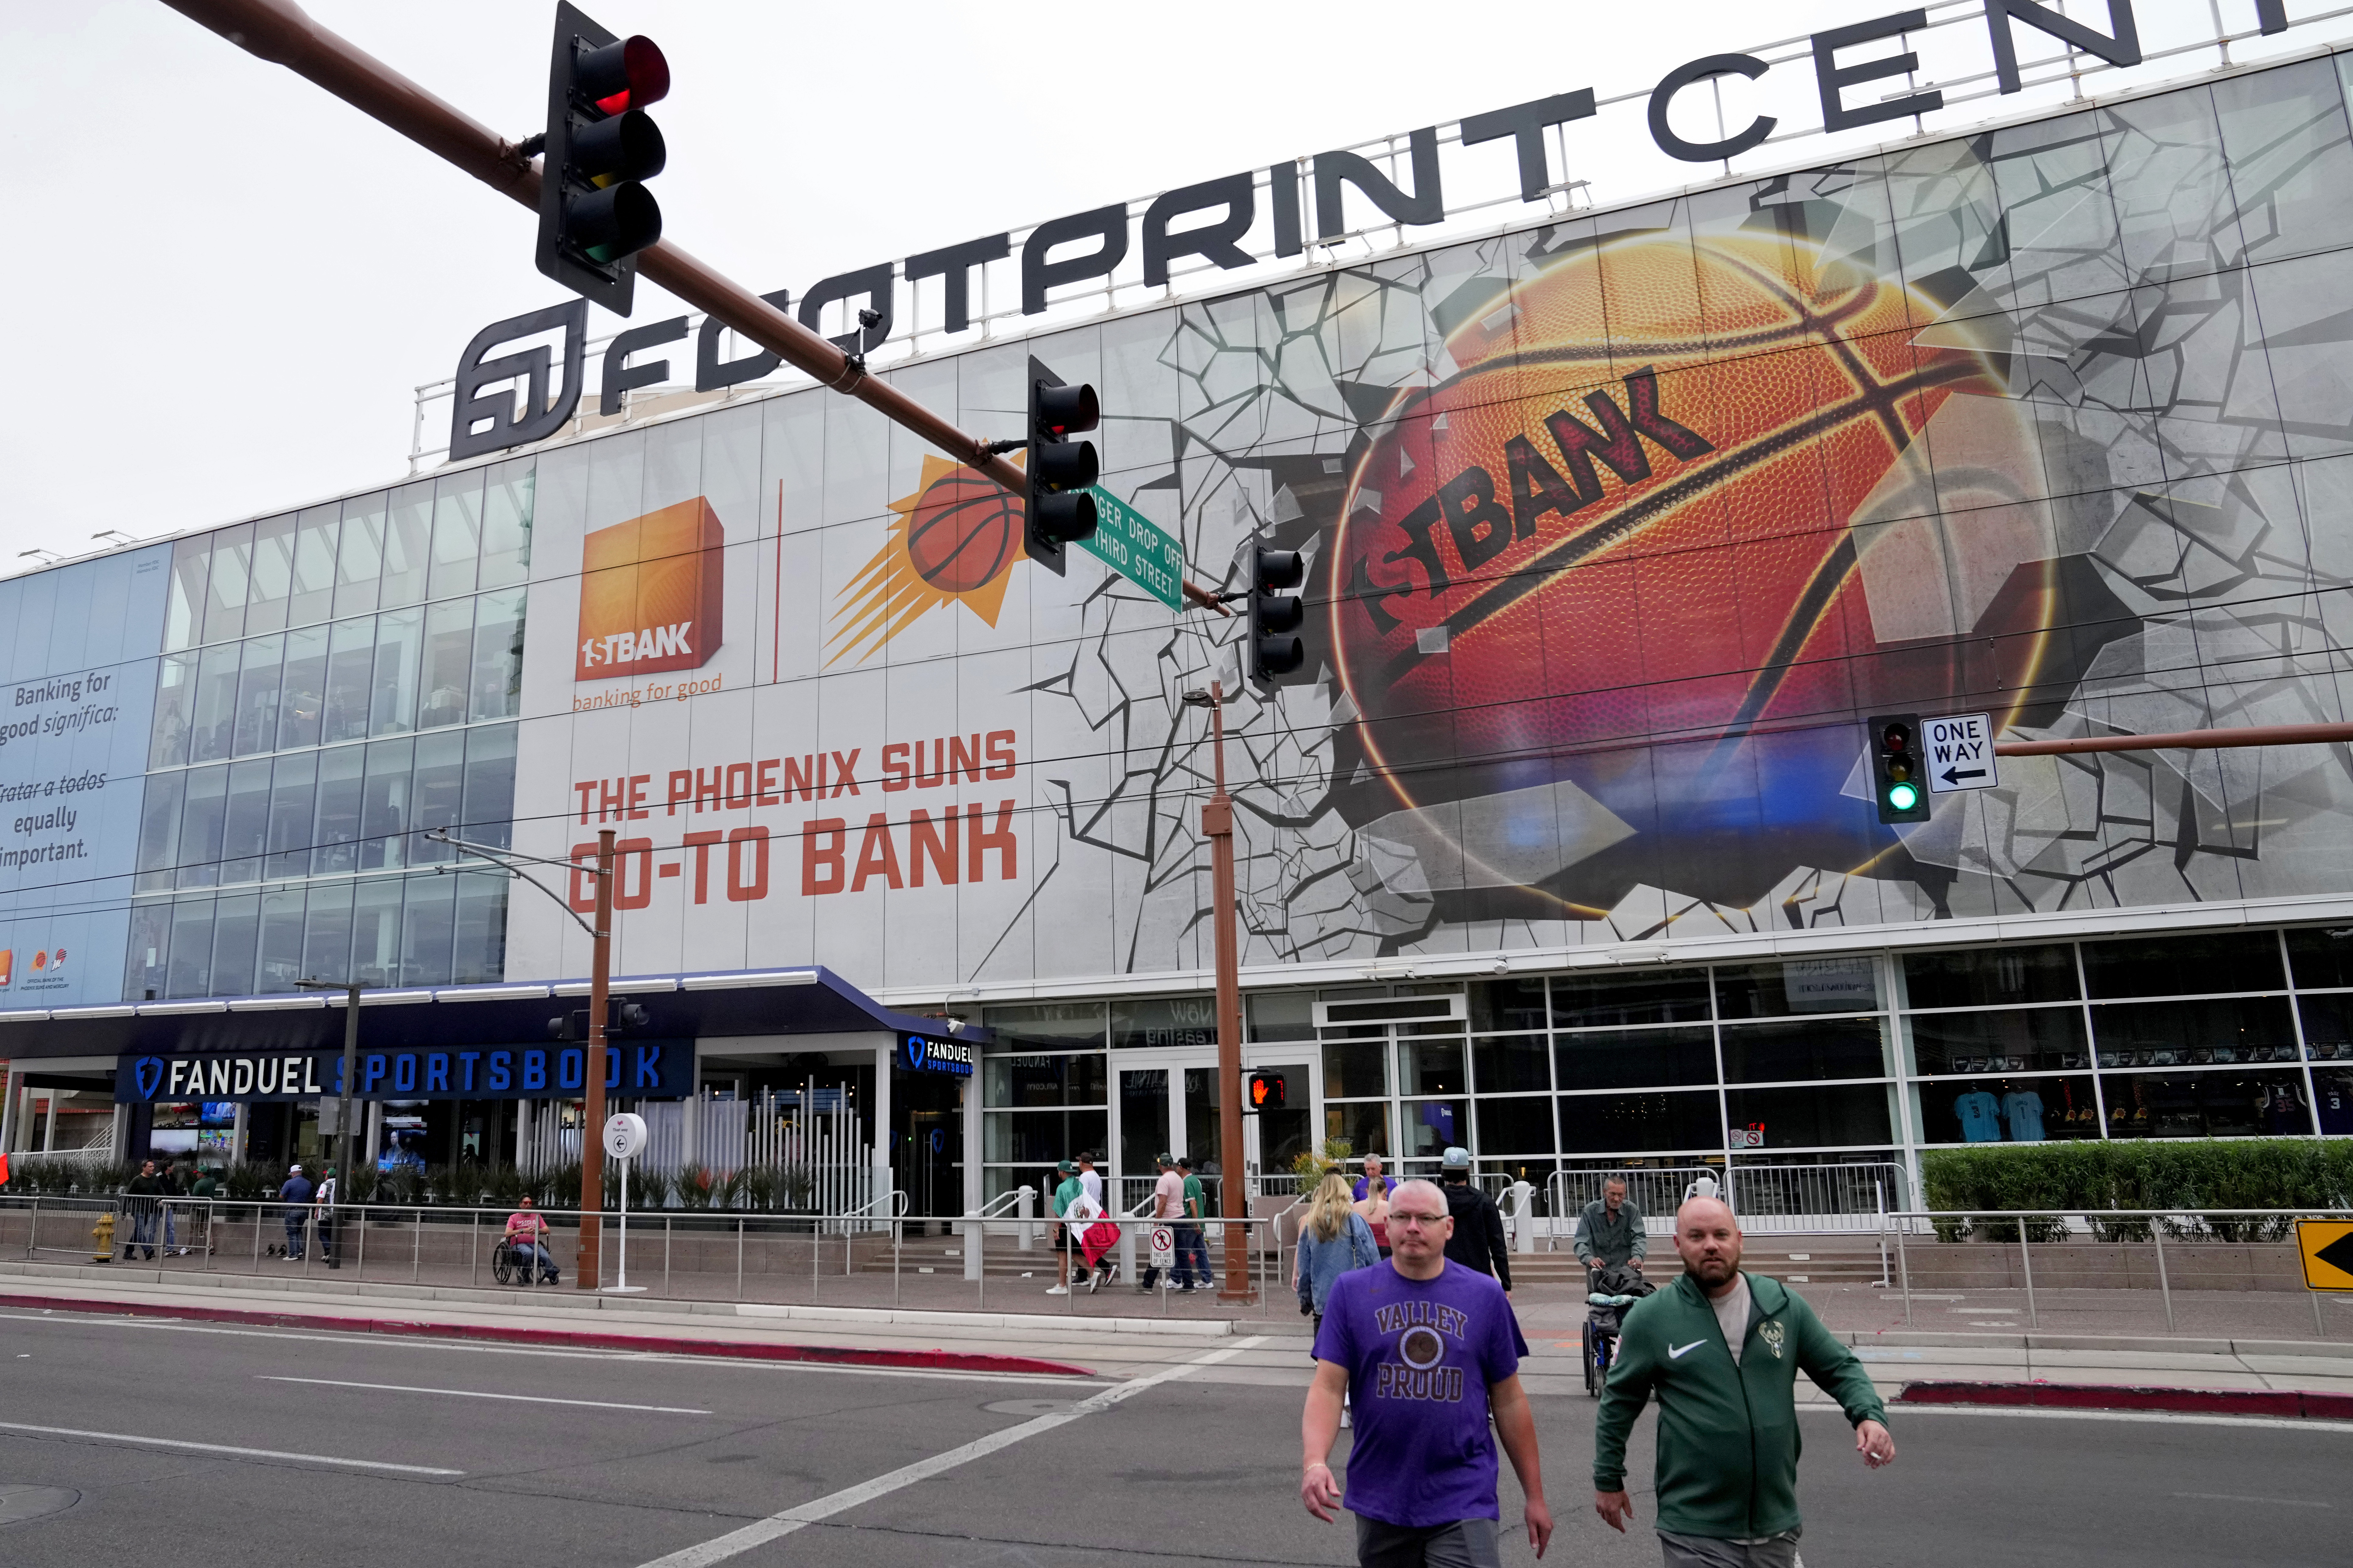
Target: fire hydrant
pixel 102 1233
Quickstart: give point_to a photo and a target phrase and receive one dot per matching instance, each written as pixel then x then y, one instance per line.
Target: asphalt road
pixel 362 1450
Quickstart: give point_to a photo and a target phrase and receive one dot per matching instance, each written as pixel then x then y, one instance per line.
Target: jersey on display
pixel 2022 1109
pixel 1980 1115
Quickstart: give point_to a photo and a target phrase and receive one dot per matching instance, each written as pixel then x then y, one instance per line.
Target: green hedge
pixel 2249 1174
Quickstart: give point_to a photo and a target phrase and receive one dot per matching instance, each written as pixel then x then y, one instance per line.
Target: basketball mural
pixel 1617 527
pixel 956 537
pixel 1638 525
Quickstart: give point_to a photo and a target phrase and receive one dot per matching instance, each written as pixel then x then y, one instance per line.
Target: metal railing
pixel 739 1256
pixel 1655 1193
pixel 1807 1200
pixel 2107 1226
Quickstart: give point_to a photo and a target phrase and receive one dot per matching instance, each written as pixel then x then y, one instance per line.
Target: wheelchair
pixel 1614 1290
pixel 510 1265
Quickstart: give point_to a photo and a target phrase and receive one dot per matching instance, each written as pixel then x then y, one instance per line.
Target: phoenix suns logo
pixel 955 540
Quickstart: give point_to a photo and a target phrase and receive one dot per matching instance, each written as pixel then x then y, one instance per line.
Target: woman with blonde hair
pixel 1333 1240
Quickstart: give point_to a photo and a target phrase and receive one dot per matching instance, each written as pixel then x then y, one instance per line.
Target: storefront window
pixel 2182 965
pixel 2006 1110
pixel 1658 996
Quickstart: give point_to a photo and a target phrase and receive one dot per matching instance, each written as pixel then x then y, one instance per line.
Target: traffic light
pixel 1900 784
pixel 1274 648
pixel 1267 1091
pixel 594 215
pixel 1061 511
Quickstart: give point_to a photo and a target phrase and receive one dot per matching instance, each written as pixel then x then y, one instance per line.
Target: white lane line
pixel 2153 1417
pixel 720 1548
pixel 139 1440
pixel 2266 1501
pixel 471 1347
pixel 477 1394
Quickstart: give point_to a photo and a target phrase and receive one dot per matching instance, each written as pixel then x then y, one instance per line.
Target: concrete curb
pixel 2288 1402
pixel 664 1345
pixel 567 1300
pixel 1862 1339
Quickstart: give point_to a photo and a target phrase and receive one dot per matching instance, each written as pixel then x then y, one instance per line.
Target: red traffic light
pixel 1896 737
pixel 629 74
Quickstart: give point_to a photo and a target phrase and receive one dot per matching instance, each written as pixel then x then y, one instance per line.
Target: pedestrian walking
pixel 295 1193
pixel 1372 1180
pixel 1167 1205
pixel 1066 1243
pixel 1082 1218
pixel 141 1197
pixel 1427 1350
pixel 1192 1249
pixel 1721 1351
pixel 1372 1202
pixel 1610 1232
pixel 1333 1240
pixel 1092 1179
pixel 322 1205
pixel 170 1186
pixel 1477 1241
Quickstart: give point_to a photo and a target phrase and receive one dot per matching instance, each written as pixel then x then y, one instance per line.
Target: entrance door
pixel 1148 1122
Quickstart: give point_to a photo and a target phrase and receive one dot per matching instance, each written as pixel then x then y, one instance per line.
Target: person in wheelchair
pixel 527 1239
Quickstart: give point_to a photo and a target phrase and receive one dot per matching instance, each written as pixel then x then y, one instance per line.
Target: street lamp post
pixel 588 1272
pixel 1218 824
pixel 351 990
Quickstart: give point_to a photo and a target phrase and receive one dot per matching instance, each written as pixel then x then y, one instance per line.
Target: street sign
pixel 1163 1248
pixel 1132 545
pixel 2327 1249
pixel 1959 751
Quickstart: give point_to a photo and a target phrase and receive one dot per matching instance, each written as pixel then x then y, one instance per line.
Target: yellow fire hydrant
pixel 102 1233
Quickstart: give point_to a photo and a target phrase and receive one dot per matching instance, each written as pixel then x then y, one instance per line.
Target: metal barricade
pixel 1815 1199
pixel 1655 1193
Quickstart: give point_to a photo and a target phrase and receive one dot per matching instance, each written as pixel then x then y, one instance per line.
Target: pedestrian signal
pixel 1267 1091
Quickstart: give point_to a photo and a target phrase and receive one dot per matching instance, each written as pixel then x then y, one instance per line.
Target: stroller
pixel 1615 1288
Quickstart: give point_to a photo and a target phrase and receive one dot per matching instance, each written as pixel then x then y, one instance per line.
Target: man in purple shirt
pixel 1425 1349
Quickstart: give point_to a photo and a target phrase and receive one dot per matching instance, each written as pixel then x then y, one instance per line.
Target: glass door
pixel 1145 1116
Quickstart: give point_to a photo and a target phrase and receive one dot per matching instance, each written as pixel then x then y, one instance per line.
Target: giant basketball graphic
pixel 1628 520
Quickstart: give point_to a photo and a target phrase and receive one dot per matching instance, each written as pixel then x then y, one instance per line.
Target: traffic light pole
pixel 587 1273
pixel 1233 1187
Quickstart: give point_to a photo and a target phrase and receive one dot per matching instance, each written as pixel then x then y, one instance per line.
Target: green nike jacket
pixel 1727 1434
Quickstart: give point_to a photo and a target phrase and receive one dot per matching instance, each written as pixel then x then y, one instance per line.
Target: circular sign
pixel 1162 1239
pixel 625 1135
pixel 1422 1348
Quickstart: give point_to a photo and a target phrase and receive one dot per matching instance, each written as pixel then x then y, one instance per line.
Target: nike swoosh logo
pixel 1675 1352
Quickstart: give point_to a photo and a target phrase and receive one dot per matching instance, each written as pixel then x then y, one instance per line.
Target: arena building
pixel 1561 846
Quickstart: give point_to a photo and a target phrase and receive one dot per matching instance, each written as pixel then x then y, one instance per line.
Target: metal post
pixel 666 1255
pixel 473 1247
pixel 1904 1272
pixel 2164 1286
pixel 416 1248
pixel 359 1261
pixel 2318 1327
pixel 739 1258
pixel 1218 825
pixel 343 1088
pixel 33 1234
pixel 256 1239
pixel 2026 1266
pixel 894 1262
pixel 590 1272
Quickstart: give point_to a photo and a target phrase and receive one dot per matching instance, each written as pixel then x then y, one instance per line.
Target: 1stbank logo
pixel 7 966
pixel 650 594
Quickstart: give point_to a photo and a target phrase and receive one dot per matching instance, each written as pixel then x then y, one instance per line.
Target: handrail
pixel 2300 1211
pixel 1003 1202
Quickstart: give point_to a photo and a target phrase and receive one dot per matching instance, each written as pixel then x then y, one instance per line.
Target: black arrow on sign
pixel 2338 1254
pixel 1953 775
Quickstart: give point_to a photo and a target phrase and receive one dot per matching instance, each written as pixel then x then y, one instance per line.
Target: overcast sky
pixel 230 284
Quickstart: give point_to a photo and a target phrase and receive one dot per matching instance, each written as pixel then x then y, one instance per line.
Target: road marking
pixel 2266 1501
pixel 477 1394
pixel 2155 1417
pixel 1676 1353
pixel 137 1440
pixel 96 1318
pixel 777 1525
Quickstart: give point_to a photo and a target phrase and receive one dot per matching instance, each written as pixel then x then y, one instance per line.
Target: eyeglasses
pixel 1406 1216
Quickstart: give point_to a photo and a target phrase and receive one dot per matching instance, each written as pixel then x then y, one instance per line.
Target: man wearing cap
pixel 1066 1192
pixel 1477 1241
pixel 296 1195
pixel 1167 1205
pixel 1192 1251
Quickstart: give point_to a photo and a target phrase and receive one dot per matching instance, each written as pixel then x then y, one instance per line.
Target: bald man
pixel 1721 1350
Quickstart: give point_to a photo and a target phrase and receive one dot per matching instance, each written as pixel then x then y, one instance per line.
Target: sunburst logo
pixel 956 539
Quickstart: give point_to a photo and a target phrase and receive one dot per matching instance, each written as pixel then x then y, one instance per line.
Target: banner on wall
pixel 1617 527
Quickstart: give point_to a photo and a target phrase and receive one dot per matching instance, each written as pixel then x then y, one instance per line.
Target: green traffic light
pixel 1903 796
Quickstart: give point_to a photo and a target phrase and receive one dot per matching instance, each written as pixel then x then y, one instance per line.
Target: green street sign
pixel 1132 545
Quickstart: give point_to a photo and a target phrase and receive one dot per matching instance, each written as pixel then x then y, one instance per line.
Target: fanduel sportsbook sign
pixel 1208 220
pixel 637 1070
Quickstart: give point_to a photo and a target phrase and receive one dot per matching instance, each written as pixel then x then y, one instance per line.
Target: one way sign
pixel 1959 752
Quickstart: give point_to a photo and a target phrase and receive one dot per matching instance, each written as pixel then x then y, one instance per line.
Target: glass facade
pixel 333 683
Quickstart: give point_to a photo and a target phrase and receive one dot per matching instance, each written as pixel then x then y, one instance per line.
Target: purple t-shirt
pixel 1421 1355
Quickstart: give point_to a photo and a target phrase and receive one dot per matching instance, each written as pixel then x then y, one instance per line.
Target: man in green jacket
pixel 1721 1348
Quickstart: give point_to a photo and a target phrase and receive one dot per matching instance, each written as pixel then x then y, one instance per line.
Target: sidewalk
pixel 1049 1345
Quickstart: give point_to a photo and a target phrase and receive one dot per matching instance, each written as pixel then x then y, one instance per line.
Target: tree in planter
pixel 1312 1165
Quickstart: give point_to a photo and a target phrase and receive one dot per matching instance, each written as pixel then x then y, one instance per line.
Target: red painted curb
pixel 938 1361
pixel 2288 1402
